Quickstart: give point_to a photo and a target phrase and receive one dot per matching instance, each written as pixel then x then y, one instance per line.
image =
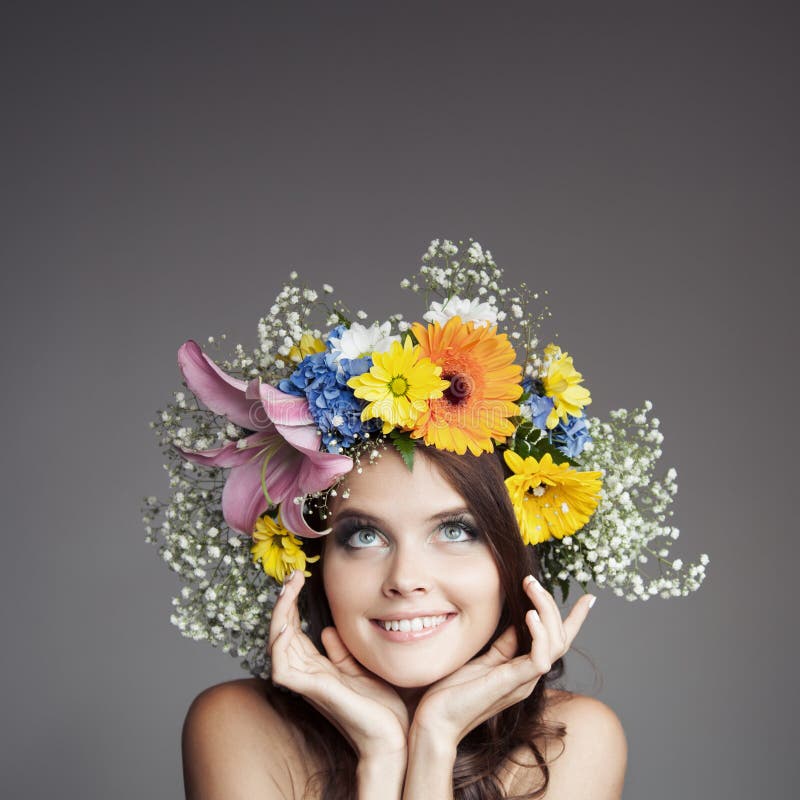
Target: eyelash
pixel 357 527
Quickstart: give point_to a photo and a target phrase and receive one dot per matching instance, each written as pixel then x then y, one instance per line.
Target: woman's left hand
pixel 483 687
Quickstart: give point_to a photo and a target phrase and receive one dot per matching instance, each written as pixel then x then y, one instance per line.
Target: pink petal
pixel 281 474
pixel 301 437
pixel 292 518
pixel 319 470
pixel 218 391
pixel 230 455
pixel 285 409
pixel 243 500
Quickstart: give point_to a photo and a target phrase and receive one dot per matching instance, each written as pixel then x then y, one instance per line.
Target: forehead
pixel 388 486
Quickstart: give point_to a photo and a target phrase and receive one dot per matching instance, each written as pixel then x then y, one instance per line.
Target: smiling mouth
pixel 414 624
pixel 412 627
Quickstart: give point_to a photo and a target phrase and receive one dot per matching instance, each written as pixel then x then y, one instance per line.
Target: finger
pixel 503 648
pixel 540 656
pixel 285 614
pixel 550 615
pixel 338 654
pixel 576 617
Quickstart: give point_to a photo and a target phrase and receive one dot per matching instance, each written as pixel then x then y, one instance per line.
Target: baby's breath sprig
pixel 225 598
pixel 631 525
pixel 466 270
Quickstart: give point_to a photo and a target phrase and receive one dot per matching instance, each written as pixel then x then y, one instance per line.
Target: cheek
pixel 347 589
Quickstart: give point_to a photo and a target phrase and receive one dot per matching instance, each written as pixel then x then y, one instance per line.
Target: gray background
pixel 163 170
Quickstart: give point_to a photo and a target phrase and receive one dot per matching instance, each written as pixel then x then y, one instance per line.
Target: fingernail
pixel 592 601
pixel 289 576
pixel 535 614
pixel 283 628
pixel 282 590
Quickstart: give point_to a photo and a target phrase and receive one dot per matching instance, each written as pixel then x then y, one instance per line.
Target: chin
pixel 412 673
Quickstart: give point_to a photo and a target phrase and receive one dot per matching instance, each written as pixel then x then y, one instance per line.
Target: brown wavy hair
pixel 480 481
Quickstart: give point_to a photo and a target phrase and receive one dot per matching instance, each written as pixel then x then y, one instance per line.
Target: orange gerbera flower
pixel 474 410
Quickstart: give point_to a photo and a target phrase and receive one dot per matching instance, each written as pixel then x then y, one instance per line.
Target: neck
pixel 411 697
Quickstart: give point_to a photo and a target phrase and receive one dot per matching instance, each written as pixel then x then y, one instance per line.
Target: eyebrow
pixel 355 513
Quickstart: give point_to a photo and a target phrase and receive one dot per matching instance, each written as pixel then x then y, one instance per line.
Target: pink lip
pixel 412 636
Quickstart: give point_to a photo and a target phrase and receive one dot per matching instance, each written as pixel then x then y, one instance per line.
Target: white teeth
pixel 415 624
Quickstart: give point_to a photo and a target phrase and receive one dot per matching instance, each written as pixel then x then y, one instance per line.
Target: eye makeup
pixel 345 530
pixel 356 532
pixel 462 521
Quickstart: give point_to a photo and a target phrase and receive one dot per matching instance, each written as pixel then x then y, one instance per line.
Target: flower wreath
pixel 261 433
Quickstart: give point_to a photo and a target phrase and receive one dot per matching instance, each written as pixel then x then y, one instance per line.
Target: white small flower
pixel 358 341
pixel 327 288
pixel 475 252
pixel 474 310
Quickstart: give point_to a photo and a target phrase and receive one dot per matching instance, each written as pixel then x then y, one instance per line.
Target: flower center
pixel 398 386
pixel 460 388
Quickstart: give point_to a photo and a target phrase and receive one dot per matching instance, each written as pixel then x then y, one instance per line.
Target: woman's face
pixel 404 553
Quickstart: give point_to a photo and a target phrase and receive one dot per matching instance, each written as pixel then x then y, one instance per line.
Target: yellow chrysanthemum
pixel 279 550
pixel 550 500
pixel 307 345
pixel 474 411
pixel 399 385
pixel 562 383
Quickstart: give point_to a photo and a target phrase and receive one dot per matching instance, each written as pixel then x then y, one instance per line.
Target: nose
pixel 406 573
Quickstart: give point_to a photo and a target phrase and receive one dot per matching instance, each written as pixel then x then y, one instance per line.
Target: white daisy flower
pixel 359 341
pixel 469 310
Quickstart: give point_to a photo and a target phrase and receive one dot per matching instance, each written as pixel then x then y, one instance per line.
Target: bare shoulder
pixel 236 745
pixel 593 761
pixel 589 762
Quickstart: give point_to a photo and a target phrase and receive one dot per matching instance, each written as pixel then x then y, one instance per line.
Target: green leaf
pixel 538 449
pixel 404 445
pixel 524 430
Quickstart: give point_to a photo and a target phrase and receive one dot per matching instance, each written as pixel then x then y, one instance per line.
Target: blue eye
pixel 363 538
pixel 455 531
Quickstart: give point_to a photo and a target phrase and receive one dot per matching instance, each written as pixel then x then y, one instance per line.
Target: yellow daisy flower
pixel 398 385
pixel 562 383
pixel 307 345
pixel 279 550
pixel 550 500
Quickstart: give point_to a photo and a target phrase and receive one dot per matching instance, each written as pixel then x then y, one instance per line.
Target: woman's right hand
pixel 367 711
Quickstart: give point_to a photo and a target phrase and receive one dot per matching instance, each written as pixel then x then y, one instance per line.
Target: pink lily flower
pixel 277 463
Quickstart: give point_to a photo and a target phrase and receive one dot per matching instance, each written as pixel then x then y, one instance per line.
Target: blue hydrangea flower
pixel 334 407
pixel 540 406
pixel 572 437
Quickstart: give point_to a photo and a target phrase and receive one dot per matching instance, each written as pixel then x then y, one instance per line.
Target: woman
pixel 423 671
pixel 443 463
